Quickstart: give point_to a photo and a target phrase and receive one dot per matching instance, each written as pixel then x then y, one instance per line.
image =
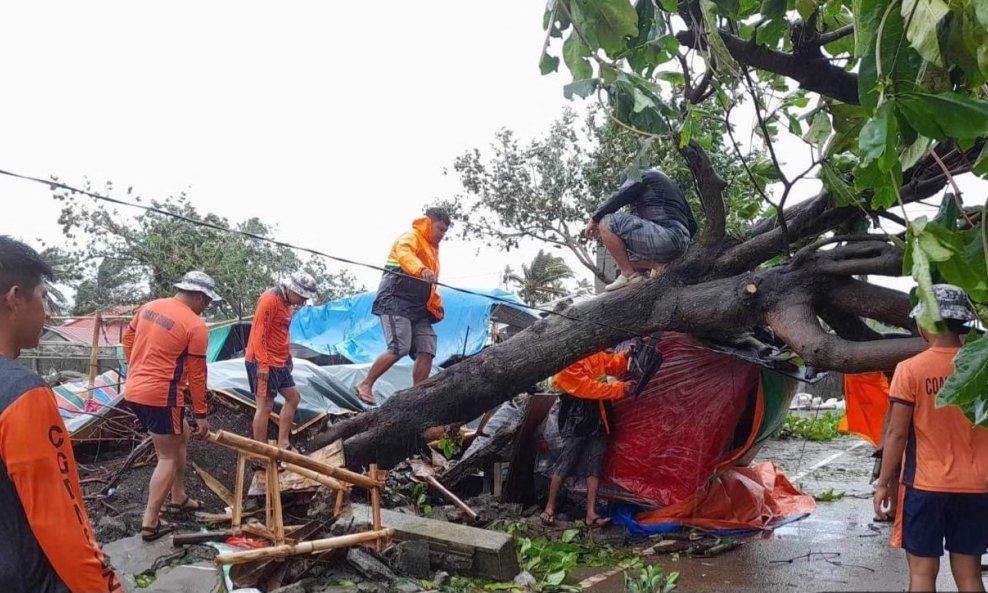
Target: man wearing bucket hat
pixel 165 348
pixel 942 493
pixel 269 359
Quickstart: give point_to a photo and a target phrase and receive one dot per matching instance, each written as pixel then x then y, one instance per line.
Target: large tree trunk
pixel 782 298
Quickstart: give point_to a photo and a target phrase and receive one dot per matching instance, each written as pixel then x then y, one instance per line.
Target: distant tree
pixel 542 280
pixel 130 259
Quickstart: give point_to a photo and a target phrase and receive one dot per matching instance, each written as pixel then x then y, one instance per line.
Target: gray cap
pixel 302 284
pixel 196 281
pixel 952 301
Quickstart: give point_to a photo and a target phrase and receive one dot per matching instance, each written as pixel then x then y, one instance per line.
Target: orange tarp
pixel 866 396
pixel 754 497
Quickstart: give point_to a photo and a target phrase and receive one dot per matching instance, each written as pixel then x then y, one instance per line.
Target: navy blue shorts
pixel 931 518
pixel 159 419
pixel 278 379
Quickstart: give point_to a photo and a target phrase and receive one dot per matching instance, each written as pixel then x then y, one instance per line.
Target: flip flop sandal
pixel 599 522
pixel 149 534
pixel 189 504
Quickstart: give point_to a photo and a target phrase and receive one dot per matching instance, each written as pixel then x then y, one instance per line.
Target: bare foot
pixel 596 520
pixel 365 394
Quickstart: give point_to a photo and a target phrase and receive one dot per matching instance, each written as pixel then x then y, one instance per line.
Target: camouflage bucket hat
pixel 952 301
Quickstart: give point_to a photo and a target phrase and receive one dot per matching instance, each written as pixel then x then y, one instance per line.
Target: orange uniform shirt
pixel 945 452
pixel 268 344
pixel 47 543
pixel 165 347
pixel 586 379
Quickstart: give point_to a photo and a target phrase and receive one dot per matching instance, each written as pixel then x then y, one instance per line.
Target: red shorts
pixel 160 419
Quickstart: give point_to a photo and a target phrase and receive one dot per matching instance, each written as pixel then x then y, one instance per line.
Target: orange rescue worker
pixel 165 348
pixel 407 301
pixel 269 358
pixel 943 492
pixel 47 544
pixel 585 420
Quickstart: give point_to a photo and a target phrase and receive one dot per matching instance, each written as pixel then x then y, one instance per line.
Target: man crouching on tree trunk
pixel 656 231
pixel 586 419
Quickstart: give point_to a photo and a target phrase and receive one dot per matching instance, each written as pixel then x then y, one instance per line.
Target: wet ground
pixel 837 548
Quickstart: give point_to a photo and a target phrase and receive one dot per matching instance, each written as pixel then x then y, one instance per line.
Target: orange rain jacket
pixel 585 379
pixel 400 295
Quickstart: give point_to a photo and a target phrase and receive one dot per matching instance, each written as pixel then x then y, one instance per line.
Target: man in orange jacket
pixel 585 421
pixel 407 301
pixel 46 539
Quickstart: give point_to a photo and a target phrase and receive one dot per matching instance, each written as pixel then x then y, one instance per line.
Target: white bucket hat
pixel 196 281
pixel 302 284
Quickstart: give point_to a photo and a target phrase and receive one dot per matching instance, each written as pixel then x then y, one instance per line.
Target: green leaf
pixel 806 8
pixel 569 535
pixel 867 14
pixel 773 9
pixel 847 122
pixel 718 49
pixel 555 579
pixel 948 213
pixel 794 126
pixel 922 30
pixel 966 387
pixel 580 88
pixel 922 274
pixel 875 135
pixel 575 53
pixel 843 194
pixel 945 115
pixel 670 5
pixel 548 64
pixel 820 129
pixel 915 151
pixel 981 165
pixel 605 23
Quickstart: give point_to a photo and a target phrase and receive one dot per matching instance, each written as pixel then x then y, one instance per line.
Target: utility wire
pixel 55 184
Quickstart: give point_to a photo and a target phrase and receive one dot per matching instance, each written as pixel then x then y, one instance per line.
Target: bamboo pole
pixel 452 497
pixel 270 451
pixel 238 491
pixel 94 357
pixel 340 501
pixel 310 547
pixel 331 483
pixel 274 494
pixel 375 499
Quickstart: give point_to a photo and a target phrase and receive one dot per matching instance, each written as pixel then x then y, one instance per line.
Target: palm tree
pixel 542 280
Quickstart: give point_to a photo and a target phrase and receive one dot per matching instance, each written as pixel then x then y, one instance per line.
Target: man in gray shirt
pixel 656 231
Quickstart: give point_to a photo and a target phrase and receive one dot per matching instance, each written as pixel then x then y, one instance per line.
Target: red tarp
pixel 673 437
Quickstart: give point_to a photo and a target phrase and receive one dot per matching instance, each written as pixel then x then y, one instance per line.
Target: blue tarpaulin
pixel 347 328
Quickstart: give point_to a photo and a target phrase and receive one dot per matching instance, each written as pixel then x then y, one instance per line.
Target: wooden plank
pixel 215 485
pixel 274 493
pixel 492 554
pixel 294 481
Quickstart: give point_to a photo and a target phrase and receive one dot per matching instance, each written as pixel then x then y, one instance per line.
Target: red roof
pixel 81 329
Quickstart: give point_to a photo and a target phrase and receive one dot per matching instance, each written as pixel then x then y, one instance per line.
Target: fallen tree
pixel 796 267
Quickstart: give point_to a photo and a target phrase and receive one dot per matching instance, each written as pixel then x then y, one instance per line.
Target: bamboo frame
pixel 269 451
pixel 94 356
pixel 332 477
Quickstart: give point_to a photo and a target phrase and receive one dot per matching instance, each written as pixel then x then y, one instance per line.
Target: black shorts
pixel 278 379
pixel 160 419
pixel 581 456
pixel 931 518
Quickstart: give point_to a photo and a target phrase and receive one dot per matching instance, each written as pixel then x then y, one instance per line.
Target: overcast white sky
pixel 331 120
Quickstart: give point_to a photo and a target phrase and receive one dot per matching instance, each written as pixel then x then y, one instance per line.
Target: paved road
pixel 838 548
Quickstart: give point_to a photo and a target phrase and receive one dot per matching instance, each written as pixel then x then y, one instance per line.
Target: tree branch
pixel 797 324
pixel 872 301
pixel 859 259
pixel 834 35
pixel 710 186
pixel 813 74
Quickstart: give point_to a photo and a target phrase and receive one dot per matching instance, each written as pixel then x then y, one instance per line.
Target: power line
pixel 55 184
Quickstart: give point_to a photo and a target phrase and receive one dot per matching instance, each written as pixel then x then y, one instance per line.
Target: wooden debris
pixel 422 471
pixel 213 484
pixel 310 547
